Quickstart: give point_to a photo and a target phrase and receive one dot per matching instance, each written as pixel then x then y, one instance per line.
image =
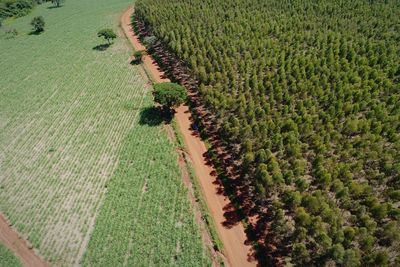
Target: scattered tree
pixel 38 24
pixel 169 95
pixel 138 56
pixel 107 34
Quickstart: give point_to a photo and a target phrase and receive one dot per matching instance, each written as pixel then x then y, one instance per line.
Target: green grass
pixel 71 142
pixel 7 258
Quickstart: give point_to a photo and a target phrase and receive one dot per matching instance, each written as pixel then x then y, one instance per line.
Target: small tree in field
pixel 38 24
pixel 139 56
pixel 107 34
pixel 169 95
pixel 57 3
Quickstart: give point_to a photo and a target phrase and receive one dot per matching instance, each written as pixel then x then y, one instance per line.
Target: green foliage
pixel 38 24
pixel 57 3
pixel 351 258
pixel 169 95
pixel 149 41
pixel 314 83
pixel 16 8
pixel 139 55
pixel 107 34
pixel 7 258
pixel 337 253
pixel 300 254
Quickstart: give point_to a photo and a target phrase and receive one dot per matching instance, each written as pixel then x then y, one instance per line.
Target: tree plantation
pixel 306 98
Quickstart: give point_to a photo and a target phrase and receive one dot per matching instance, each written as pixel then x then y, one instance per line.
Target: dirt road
pixel 18 246
pixel 149 64
pixel 233 238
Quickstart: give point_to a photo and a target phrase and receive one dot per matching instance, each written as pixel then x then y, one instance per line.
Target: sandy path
pixel 18 245
pixel 233 238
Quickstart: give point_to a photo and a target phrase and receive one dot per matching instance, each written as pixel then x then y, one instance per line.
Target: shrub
pixel 38 24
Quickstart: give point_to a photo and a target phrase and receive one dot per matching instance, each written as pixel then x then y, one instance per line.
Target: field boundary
pixel 236 249
pixel 198 204
pixel 197 200
pixel 18 245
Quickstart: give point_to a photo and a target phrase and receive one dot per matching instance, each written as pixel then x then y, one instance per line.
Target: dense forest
pixel 306 95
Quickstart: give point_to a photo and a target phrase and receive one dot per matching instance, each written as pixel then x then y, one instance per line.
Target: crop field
pixel 7 259
pixel 160 229
pixel 73 140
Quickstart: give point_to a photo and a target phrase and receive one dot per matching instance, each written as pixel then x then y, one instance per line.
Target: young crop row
pixel 64 111
pixel 146 218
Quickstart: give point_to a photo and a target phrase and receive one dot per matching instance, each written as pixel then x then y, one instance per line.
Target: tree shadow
pixel 136 62
pixel 53 7
pixel 101 47
pixel 35 32
pixel 154 116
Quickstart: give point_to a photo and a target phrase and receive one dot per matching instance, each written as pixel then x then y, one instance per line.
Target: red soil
pixel 234 237
pixel 18 245
pixel 149 64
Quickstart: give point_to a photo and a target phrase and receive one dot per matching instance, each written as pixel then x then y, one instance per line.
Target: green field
pixel 7 258
pixel 73 145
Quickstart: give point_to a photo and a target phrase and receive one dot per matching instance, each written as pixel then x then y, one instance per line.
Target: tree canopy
pixel 107 34
pixel 169 95
pixel 138 56
pixel 38 24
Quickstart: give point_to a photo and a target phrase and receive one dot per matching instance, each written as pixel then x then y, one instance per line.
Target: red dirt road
pixel 233 238
pixel 18 246
pixel 149 64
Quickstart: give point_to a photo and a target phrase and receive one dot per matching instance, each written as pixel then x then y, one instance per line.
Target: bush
pixel 57 3
pixel 38 24
pixel 138 55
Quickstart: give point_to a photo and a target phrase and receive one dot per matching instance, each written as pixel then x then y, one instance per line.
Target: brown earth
pixel 235 249
pixel 18 245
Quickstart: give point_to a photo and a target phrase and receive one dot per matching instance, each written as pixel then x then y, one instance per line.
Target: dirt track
pixel 18 245
pixel 234 237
